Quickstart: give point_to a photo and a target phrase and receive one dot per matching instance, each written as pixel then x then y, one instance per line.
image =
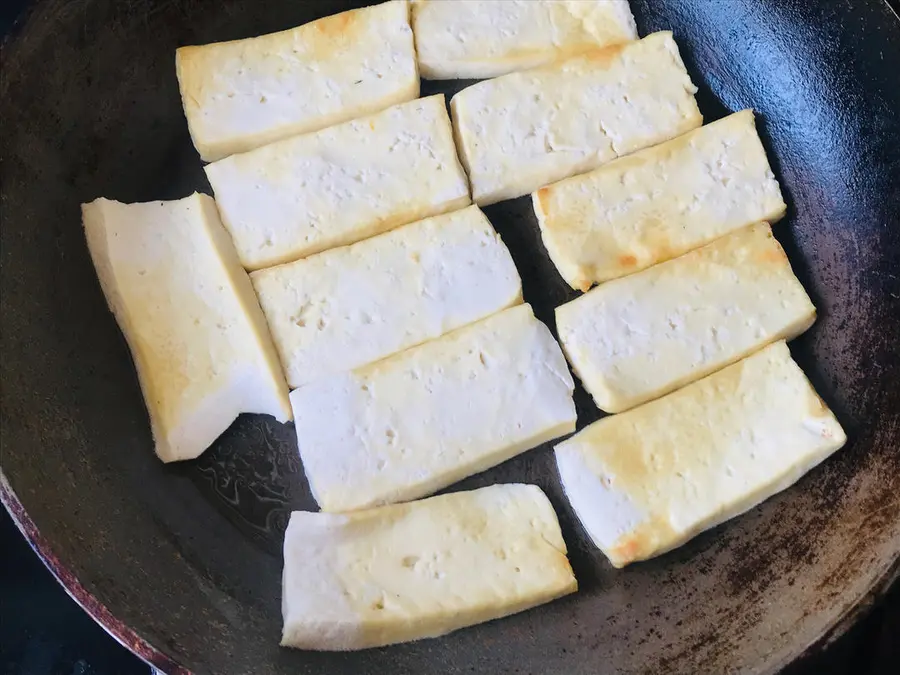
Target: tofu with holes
pixel 485 38
pixel 639 337
pixel 521 131
pixel 350 306
pixel 199 340
pixel 244 94
pixel 405 571
pixel 648 480
pixel 658 203
pixel 340 185
pixel 416 422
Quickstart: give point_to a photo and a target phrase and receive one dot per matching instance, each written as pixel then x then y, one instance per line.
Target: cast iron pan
pixel 182 563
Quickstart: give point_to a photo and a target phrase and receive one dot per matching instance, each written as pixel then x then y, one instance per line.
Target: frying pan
pixel 182 562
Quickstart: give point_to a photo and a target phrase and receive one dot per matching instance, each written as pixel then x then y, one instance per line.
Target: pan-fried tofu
pixel 199 340
pixel 634 339
pixel 486 38
pixel 340 185
pixel 244 94
pixel 658 203
pixel 410 571
pixel 648 480
pixel 354 305
pixel 420 420
pixel 521 131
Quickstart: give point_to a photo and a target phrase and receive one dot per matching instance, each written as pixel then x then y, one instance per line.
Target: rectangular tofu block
pixel 636 338
pixel 199 340
pixel 244 94
pixel 648 480
pixel 350 306
pixel 658 203
pixel 339 185
pixel 486 38
pixel 524 130
pixel 410 571
pixel 420 420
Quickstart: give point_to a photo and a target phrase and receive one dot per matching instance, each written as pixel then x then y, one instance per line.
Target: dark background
pixel 43 631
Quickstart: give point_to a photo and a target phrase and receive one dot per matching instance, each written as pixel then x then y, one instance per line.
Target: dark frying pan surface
pixel 187 556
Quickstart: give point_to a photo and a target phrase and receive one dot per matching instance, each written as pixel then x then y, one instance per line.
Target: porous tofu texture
pixel 658 203
pixel 410 571
pixel 353 305
pixel 337 186
pixel 479 39
pixel 519 132
pixel 425 418
pixel 634 339
pixel 199 340
pixel 648 480
pixel 244 94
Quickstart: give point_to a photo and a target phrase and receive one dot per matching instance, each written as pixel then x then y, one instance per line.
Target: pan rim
pixel 122 633
pixel 856 609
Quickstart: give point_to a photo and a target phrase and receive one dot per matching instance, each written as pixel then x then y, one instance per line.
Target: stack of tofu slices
pixel 343 259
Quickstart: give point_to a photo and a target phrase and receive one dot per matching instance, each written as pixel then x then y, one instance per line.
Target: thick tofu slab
pixel 197 335
pixel 634 339
pixel 648 480
pixel 658 203
pixel 244 94
pixel 522 131
pixel 350 306
pixel 418 421
pixel 486 38
pixel 337 186
pixel 410 571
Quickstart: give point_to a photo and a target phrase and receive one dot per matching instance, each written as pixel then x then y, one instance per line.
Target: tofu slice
pixel 485 38
pixel 354 305
pixel 418 421
pixel 658 203
pixel 244 94
pixel 637 338
pixel 405 572
pixel 522 131
pixel 648 480
pixel 337 186
pixel 199 340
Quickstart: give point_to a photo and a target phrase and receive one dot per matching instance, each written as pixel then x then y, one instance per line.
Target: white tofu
pixel 486 38
pixel 410 571
pixel 634 339
pixel 658 203
pixel 354 305
pixel 418 421
pixel 197 335
pixel 648 480
pixel 244 94
pixel 337 186
pixel 522 131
